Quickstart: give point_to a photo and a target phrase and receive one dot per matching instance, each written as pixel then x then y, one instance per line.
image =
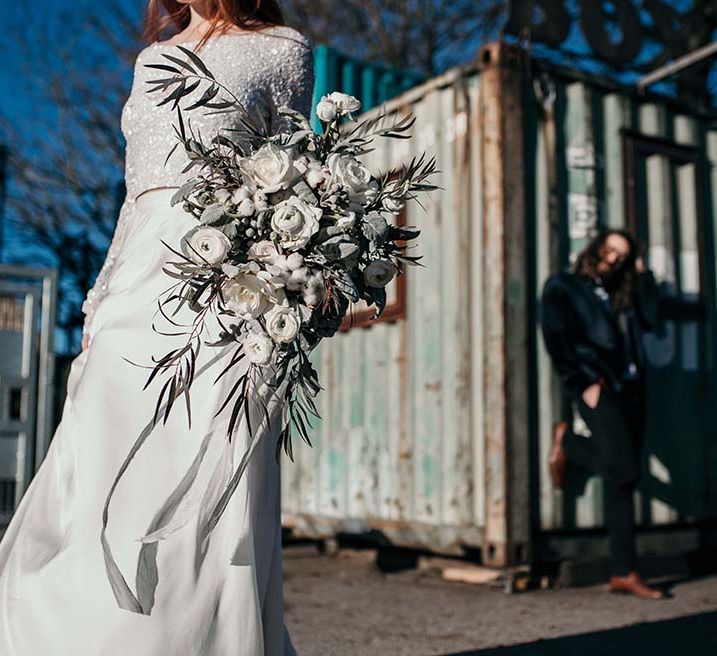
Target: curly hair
pixel 622 287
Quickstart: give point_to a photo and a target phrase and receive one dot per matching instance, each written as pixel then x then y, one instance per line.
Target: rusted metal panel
pixel 400 445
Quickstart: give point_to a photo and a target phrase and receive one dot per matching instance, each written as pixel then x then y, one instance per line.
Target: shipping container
pixel 437 419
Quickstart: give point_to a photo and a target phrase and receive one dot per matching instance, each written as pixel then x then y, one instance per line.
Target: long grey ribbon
pixel 147 576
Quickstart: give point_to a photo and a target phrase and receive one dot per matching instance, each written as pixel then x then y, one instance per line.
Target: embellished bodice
pixel 276 62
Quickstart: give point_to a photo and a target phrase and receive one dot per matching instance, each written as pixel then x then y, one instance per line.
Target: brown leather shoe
pixel 634 584
pixel 558 459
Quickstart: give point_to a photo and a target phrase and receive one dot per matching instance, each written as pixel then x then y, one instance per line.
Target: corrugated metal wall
pixel 400 446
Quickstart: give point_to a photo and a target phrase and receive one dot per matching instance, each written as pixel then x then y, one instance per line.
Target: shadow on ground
pixel 695 635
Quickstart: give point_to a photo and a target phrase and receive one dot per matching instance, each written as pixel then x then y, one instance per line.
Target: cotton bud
pixel 297 279
pixel 246 207
pixel 260 200
pixel 240 194
pixel 294 261
pixel 281 262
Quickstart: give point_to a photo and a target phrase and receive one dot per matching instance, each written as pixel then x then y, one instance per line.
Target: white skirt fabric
pixel 55 594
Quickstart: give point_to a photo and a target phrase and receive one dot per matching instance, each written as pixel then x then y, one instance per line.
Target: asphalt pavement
pixel 343 604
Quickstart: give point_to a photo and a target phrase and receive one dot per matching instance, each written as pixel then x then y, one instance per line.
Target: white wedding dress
pixel 55 592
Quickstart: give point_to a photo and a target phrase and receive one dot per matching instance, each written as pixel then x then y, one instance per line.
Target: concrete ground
pixel 344 604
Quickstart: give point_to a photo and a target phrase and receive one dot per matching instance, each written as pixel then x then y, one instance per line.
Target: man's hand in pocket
pixel 591 395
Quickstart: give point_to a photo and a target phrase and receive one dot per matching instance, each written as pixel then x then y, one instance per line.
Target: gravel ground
pixel 343 604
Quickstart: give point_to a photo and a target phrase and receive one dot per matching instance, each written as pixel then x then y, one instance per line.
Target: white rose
pixel 247 294
pixel 258 348
pixel 347 172
pixel 379 273
pixel 271 168
pixel 282 324
pixel 345 103
pixel 206 245
pixel 295 221
pixel 263 251
pixel 326 110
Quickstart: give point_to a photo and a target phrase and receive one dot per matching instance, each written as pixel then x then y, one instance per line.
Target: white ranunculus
pixel 350 174
pixel 282 323
pixel 345 103
pixel 271 168
pixel 393 205
pixel 258 348
pixel 247 294
pixel 326 109
pixel 263 251
pixel 295 221
pixel 207 245
pixel 379 273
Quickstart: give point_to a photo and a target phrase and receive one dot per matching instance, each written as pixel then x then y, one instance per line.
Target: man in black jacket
pixel 593 319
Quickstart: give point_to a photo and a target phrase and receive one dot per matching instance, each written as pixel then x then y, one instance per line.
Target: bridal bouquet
pixel 291 229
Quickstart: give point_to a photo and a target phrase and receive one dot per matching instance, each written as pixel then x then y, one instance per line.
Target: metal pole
pixel 678 65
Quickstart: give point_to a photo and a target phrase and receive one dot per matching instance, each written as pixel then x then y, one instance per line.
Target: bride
pixel 75 577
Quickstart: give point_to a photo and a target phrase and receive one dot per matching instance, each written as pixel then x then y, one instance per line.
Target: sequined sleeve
pixel 293 84
pixel 99 288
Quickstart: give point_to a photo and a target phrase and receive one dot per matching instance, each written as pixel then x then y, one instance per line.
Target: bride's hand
pixel 85 341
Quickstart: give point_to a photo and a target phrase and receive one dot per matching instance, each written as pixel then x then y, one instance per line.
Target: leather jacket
pixel 582 334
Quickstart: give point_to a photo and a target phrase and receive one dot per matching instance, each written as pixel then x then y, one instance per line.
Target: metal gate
pixel 27 313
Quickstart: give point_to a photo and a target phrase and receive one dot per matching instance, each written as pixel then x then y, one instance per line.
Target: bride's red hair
pixel 249 15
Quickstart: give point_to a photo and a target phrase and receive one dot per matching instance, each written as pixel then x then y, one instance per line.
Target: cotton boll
pixel 241 194
pixel 281 262
pixel 246 207
pixel 294 261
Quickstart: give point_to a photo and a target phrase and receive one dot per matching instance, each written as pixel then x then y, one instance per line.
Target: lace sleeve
pixel 293 84
pixel 99 288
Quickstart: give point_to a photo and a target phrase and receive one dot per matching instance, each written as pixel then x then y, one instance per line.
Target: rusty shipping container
pixel 437 419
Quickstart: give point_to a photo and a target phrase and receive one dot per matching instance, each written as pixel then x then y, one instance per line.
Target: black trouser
pixel 617 426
